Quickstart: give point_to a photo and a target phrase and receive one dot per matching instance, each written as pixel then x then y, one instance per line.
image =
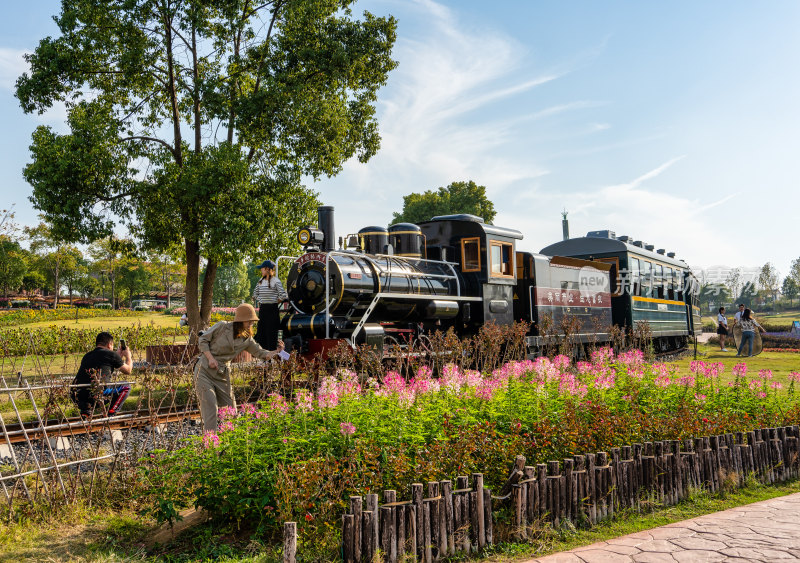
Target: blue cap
pixel 267 264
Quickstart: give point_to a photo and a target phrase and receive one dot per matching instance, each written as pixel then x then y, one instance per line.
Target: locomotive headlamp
pixel 310 236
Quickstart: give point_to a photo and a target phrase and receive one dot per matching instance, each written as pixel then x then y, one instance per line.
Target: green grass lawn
pixel 784 317
pixel 781 363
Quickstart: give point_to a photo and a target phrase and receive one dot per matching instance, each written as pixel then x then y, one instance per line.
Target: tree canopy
pixel 193 121
pixel 458 197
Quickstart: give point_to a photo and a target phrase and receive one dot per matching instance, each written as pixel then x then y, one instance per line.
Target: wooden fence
pixel 442 519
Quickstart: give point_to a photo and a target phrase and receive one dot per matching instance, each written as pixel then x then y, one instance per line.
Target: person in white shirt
pixel 749 326
pixel 267 295
pixel 722 329
pixel 738 316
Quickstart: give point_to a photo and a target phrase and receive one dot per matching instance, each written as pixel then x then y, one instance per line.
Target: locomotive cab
pixel 484 256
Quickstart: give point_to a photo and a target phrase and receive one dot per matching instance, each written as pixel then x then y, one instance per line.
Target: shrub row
pixel 27 316
pixel 300 459
pixel 64 340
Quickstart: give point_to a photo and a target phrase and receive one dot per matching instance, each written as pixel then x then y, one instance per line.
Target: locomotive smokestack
pixel 565 225
pixel 325 224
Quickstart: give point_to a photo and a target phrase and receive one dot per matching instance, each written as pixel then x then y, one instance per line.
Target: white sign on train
pixel 591 282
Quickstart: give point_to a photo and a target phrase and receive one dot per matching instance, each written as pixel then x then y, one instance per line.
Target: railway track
pixel 71 427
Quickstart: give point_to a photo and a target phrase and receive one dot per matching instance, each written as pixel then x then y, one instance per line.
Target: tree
pixel 232 284
pixel 133 279
pixel 790 288
pixel 458 197
pixel 768 280
pixel 734 281
pixel 108 255
pixel 13 265
pixel 794 271
pixel 33 280
pixel 168 268
pixel 266 93
pixel 749 291
pixel 712 295
pixel 55 256
pixel 72 268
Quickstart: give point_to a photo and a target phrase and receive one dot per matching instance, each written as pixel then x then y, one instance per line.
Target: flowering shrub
pixel 287 459
pixel 217 313
pixel 27 316
pixel 64 340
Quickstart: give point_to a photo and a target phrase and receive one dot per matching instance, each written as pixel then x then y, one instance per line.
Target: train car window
pixel 635 286
pixel 646 281
pixel 668 288
pixel 501 255
pixel 471 255
pixel 677 281
pixel 658 281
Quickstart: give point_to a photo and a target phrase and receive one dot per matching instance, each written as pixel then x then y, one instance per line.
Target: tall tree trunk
pixel 57 286
pixel 191 290
pixel 208 290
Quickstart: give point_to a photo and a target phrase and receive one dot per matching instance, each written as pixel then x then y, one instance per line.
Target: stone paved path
pixel 763 531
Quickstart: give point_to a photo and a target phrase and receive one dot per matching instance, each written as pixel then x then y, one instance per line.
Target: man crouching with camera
pixel 97 367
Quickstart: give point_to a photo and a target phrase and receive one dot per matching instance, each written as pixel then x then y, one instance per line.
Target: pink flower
pixel 740 370
pixel 795 376
pixel 765 374
pixel 210 440
pixel 347 429
pixel 761 395
pixel 226 413
pixel 776 385
pixel 700 397
pixel 304 400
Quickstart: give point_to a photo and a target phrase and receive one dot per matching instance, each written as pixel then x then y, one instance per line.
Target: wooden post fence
pixel 440 519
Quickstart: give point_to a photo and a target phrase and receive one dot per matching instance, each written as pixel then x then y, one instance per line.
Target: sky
pixel 674 123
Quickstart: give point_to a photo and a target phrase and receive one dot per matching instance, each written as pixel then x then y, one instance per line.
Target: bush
pixel 301 459
pixel 63 340
pixel 26 316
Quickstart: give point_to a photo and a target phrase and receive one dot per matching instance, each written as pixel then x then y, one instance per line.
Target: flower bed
pixel 301 459
pixel 27 316
pixel 217 313
pixel 64 340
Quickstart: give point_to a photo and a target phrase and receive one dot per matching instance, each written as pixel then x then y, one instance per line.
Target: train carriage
pixel 647 285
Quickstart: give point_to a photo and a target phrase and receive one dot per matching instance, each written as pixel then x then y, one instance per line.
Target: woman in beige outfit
pixel 218 346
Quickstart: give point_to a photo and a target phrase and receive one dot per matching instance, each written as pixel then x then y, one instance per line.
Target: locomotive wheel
pixel 423 344
pixel 391 346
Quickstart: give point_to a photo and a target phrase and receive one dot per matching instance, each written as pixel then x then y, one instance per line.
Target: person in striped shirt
pixel 267 295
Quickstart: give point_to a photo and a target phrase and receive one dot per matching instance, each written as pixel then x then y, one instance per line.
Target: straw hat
pixel 245 312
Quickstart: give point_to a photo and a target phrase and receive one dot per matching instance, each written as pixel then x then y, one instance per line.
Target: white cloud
pixel 12 65
pixel 636 208
pixel 447 114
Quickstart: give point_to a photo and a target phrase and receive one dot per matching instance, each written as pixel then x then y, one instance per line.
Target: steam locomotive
pixel 393 285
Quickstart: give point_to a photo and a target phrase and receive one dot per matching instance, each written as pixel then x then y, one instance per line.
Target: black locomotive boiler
pixel 394 285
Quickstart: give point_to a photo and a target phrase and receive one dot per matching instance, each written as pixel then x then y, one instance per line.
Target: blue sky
pixel 676 123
